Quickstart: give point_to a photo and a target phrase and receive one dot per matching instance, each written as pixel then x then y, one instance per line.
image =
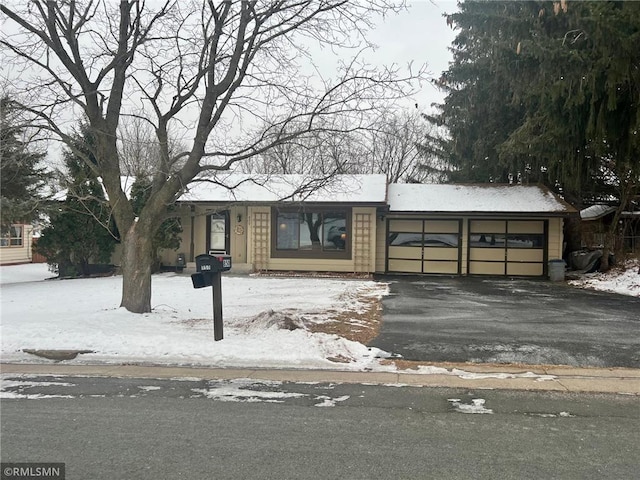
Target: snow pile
pixel 284 320
pixel 625 281
pixel 476 406
pixel 263 321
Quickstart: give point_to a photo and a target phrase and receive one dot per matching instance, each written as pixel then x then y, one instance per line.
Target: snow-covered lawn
pixel 83 314
pixel 269 322
pixel 624 280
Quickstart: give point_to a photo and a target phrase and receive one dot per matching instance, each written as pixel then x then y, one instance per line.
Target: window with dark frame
pixel 311 233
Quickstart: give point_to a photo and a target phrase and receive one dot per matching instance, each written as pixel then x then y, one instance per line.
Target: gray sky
pixel 420 35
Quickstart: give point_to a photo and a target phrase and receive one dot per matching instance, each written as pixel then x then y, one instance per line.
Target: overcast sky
pixel 420 35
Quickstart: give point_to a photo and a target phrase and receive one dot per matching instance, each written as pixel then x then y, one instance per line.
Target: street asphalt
pixel 132 427
pixel 512 321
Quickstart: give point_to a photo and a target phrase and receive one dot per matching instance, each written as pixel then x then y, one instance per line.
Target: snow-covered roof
pixel 474 199
pixel 596 211
pixel 252 188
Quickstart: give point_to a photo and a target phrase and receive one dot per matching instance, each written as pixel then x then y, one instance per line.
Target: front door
pixel 218 232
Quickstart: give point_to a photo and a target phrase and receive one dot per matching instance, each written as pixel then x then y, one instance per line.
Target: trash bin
pixel 556 270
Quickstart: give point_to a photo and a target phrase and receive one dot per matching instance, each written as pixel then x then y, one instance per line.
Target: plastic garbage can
pixel 556 270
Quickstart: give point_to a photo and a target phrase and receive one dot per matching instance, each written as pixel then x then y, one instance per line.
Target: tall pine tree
pixel 81 233
pixel 546 92
pixel 22 177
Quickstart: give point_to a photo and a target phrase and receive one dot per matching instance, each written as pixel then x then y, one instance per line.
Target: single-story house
pixel 15 244
pixel 359 223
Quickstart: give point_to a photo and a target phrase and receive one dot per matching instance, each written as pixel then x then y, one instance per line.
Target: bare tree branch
pixel 217 71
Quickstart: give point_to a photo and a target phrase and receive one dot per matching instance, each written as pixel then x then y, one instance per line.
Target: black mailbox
pixel 208 274
pixel 206 266
pixel 201 280
pixel 213 263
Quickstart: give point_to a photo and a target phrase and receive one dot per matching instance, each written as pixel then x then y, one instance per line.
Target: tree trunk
pixel 611 239
pixel 137 260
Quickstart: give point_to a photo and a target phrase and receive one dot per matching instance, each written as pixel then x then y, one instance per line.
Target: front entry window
pixel 218 232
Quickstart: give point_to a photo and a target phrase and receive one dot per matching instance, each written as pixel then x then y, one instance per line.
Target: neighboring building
pixel 15 244
pixel 596 221
pixel 356 223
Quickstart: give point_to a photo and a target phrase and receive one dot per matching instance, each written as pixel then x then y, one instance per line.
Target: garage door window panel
pixel 525 241
pixel 487 240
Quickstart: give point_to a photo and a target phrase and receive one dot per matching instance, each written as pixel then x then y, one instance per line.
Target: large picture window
pixel 11 236
pixel 312 233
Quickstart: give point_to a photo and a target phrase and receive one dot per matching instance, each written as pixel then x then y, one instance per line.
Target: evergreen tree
pixel 21 177
pixel 480 111
pixel 545 92
pixel 80 233
pixel 537 89
pixel 168 235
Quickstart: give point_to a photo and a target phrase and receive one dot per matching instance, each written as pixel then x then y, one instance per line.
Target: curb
pixel 531 377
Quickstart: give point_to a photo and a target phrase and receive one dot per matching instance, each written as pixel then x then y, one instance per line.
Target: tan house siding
pixel 556 238
pixel 250 241
pixel 196 220
pixel 238 234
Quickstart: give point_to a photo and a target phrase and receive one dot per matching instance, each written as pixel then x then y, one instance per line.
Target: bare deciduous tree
pixel 393 147
pixel 139 150
pixel 218 70
pixel 388 143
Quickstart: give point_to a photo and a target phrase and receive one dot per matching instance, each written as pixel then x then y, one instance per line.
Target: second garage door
pixel 507 247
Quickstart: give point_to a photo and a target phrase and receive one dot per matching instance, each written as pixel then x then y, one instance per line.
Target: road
pixel 117 428
pixel 520 321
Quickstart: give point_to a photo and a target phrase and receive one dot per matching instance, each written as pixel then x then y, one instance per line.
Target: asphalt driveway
pixel 494 320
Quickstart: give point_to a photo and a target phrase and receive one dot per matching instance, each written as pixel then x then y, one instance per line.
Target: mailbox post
pixel 209 270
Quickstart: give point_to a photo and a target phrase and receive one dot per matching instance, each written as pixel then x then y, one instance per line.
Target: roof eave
pixel 483 214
